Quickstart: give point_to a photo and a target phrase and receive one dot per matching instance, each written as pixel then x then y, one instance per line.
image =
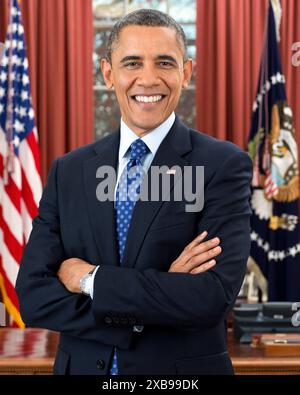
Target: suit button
pixel 100 364
pixel 108 320
pixel 116 320
pixel 124 321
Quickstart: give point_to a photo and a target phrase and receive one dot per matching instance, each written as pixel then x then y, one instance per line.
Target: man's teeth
pixel 148 99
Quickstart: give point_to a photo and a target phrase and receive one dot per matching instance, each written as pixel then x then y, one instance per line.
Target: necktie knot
pixel 138 149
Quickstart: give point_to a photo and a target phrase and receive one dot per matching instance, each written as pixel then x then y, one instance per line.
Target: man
pixel 132 285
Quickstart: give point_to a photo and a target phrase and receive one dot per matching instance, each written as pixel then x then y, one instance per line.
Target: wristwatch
pixel 86 283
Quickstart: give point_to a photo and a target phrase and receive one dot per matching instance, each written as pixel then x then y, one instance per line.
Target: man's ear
pixel 187 73
pixel 106 69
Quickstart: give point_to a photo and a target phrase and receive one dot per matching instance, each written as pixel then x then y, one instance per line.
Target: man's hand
pixel 198 256
pixel 71 271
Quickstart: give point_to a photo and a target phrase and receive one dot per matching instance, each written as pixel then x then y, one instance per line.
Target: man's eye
pixel 166 64
pixel 131 64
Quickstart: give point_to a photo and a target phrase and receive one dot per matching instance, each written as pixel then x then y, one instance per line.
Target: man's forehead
pixel 153 42
pixel 146 34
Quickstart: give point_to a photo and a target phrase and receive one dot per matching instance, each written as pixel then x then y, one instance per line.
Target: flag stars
pixel 281 255
pixel 15 100
pixel 274 80
pixel 19 127
pixel 16 141
pixel 21 30
pixel 280 77
pixel 22 112
pixel 31 113
pixel 4 61
pixel 2 92
pixel 253 236
pixel 266 247
pixel 24 95
pixel 3 77
pixel 14 11
pixel 293 251
pixel 25 80
pixel 273 255
pixel 15 60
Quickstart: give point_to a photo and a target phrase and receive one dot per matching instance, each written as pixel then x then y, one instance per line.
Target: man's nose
pixel 148 76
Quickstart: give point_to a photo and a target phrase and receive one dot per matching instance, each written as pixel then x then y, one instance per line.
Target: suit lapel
pixel 102 213
pixel 170 153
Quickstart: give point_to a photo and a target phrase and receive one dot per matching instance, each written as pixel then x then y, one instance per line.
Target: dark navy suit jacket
pixel 183 314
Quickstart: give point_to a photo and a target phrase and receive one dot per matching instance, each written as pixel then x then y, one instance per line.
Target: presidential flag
pixel 20 181
pixel 275 244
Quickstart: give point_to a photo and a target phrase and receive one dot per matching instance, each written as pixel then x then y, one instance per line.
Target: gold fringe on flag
pixel 11 308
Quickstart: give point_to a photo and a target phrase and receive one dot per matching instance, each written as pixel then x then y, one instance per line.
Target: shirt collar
pixel 153 139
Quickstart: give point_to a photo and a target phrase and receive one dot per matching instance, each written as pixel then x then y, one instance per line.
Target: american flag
pixel 20 181
pixel 275 247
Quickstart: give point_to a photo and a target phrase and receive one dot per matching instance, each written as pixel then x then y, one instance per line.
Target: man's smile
pixel 147 101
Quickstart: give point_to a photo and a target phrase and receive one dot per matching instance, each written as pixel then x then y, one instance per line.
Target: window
pixel 106 12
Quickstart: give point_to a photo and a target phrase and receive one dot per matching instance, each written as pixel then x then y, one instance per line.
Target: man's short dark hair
pixel 146 17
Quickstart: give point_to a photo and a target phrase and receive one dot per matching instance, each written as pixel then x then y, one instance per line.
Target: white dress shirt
pixel 152 139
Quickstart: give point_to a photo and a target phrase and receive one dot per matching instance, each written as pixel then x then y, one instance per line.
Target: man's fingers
pixel 196 241
pixel 196 253
pixel 202 258
pixel 203 268
pixel 201 247
pixel 205 246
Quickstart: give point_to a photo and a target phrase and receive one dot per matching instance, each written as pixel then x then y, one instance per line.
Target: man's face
pixel 148 74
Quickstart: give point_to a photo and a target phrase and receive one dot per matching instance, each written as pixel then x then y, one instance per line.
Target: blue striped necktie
pixel 127 193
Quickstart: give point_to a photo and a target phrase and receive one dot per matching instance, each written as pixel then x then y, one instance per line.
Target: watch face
pixel 85 285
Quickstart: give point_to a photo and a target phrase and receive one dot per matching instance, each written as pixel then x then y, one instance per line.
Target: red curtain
pixel 59 37
pixel 229 46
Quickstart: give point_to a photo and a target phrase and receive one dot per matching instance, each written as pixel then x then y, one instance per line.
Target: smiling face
pixel 148 73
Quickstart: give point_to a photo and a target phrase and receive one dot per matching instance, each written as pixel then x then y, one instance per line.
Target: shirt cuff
pixel 92 282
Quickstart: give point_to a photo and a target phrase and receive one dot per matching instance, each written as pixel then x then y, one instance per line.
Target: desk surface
pixel 29 351
pixel 32 351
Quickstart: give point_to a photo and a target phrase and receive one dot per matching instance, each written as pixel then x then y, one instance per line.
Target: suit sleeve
pixel 44 301
pixel 183 300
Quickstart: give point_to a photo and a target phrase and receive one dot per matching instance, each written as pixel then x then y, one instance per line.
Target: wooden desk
pixel 32 351
pixel 29 351
pixel 248 360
